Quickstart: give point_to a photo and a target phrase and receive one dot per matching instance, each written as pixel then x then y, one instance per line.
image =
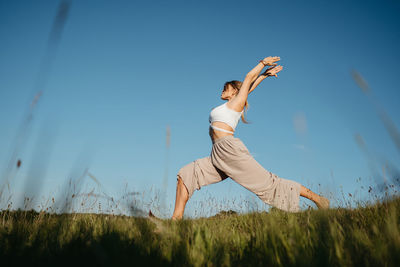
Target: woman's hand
pixel 272 71
pixel 270 61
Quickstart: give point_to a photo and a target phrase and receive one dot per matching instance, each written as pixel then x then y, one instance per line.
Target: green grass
pixel 366 236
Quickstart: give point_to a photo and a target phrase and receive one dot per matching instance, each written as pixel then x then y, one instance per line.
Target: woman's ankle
pixel 176 217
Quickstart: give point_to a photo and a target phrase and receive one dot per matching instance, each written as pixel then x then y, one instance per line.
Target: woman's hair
pixel 237 85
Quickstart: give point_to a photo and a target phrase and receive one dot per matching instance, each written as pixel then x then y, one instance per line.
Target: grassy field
pixel 366 236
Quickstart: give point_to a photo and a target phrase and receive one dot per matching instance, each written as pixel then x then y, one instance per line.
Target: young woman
pixel 230 157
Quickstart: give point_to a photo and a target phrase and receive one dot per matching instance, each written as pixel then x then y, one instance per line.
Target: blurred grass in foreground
pixel 367 236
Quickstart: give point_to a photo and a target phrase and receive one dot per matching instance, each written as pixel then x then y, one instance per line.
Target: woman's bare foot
pixel 322 203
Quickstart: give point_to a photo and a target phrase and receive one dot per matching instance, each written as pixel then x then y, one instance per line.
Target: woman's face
pixel 228 92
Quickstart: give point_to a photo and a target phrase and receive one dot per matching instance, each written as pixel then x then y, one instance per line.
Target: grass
pixel 367 236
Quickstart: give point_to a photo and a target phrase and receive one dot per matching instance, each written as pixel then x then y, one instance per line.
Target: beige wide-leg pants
pixel 230 158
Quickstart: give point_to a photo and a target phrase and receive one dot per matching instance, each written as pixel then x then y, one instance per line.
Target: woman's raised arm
pixel 239 101
pixel 268 61
pixel 267 73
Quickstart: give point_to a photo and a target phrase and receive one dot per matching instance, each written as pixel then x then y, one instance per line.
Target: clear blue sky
pixel 125 70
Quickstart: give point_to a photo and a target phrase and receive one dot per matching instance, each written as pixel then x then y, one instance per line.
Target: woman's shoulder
pixel 234 107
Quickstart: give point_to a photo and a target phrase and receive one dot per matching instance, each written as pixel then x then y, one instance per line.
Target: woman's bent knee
pixel 187 176
pixel 182 187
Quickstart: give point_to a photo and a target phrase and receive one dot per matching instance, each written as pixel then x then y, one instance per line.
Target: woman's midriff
pixel 215 134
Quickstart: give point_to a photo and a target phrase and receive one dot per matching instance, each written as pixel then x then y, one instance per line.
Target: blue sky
pixel 124 71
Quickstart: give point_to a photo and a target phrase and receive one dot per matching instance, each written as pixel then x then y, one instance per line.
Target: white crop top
pixel 224 114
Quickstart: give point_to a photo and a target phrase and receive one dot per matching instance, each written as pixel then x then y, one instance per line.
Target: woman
pixel 230 157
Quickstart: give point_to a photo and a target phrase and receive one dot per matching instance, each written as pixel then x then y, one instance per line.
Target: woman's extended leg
pixel 232 157
pixel 320 201
pixel 182 196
